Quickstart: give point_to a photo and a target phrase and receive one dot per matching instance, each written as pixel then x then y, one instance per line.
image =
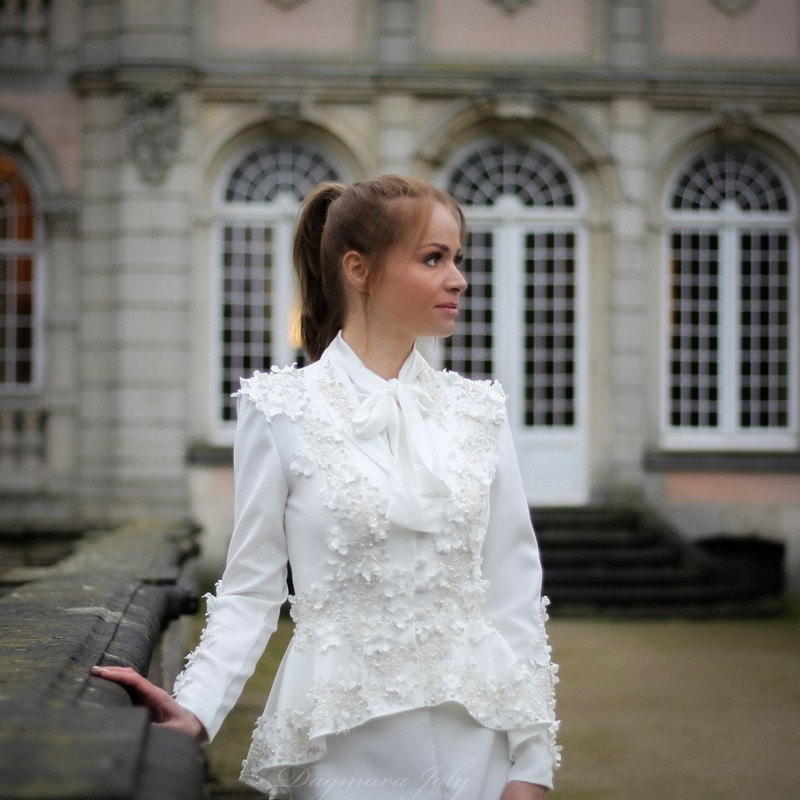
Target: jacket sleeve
pixel 516 608
pixel 244 613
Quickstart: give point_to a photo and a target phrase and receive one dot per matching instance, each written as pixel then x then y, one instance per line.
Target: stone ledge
pixel 95 754
pixel 64 734
pixel 690 461
pixel 210 455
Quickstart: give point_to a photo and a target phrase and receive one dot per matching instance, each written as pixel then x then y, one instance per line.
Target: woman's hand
pixel 164 711
pixel 520 790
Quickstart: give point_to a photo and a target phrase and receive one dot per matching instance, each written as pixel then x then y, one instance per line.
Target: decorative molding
pixel 286 5
pixel 284 113
pixel 154 130
pixel 734 7
pixel 284 108
pixel 735 122
pixel 511 6
pixel 60 214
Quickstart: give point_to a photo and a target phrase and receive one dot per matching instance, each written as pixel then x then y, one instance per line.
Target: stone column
pixel 138 177
pixel 633 320
pixel 61 334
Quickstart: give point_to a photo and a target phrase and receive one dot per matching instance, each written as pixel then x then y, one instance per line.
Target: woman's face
pixel 418 290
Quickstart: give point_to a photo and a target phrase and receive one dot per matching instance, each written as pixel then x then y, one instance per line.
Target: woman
pixel 419 666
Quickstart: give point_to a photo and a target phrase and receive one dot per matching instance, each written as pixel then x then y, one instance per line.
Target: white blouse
pixel 401 509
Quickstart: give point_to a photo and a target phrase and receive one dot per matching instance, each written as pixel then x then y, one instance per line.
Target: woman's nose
pixel 457 281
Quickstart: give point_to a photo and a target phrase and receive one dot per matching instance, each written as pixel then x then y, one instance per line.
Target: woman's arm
pixel 514 605
pixel 244 613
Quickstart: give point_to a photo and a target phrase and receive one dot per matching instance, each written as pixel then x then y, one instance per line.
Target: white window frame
pixel 281 215
pixel 540 447
pixel 729 223
pixel 36 250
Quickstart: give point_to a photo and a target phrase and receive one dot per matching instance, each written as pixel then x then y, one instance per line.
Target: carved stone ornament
pixel 734 7
pixel 735 122
pixel 511 6
pixel 154 130
pixel 286 5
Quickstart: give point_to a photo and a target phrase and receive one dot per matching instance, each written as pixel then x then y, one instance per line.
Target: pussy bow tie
pixel 416 492
pixel 399 407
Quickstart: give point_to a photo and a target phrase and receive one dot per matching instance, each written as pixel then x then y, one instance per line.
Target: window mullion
pixel 282 297
pixel 794 332
pixel 508 325
pixel 730 314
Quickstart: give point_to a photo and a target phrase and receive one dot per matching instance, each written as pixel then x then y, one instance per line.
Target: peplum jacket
pixel 400 506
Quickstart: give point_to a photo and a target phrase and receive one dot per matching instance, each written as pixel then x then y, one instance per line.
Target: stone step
pixel 629 562
pixel 572 537
pixel 589 556
pixel 635 575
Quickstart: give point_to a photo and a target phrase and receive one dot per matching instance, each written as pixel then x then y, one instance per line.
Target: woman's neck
pixel 380 353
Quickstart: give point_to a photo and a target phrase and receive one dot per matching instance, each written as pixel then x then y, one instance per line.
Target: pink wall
pixel 315 26
pixel 768 30
pixel 551 28
pixel 55 120
pixel 725 487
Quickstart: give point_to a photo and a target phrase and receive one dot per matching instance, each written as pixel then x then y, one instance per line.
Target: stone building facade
pixel 630 170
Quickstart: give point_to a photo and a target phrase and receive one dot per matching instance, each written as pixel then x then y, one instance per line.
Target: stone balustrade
pixel 22 447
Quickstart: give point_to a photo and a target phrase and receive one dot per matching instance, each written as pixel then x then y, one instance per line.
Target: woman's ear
pixel 356 270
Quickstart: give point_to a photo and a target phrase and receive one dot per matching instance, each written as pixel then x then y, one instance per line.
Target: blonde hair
pixel 363 217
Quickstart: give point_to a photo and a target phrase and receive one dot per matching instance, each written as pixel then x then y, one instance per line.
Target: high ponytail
pixel 369 217
pixel 322 302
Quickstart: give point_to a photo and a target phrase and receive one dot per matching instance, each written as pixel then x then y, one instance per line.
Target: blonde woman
pixel 419 666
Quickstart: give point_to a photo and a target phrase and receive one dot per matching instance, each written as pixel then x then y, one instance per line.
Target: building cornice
pixel 667 89
pixel 126 76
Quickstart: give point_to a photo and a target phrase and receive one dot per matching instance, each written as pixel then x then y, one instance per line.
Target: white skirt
pixel 438 753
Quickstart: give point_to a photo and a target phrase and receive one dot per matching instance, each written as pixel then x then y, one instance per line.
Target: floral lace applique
pixel 405 632
pixel 278 391
pixel 206 637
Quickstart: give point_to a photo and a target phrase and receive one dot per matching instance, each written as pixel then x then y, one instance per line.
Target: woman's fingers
pixel 149 693
pixel 163 709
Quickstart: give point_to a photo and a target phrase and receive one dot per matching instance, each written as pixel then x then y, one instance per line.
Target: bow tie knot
pixel 381 410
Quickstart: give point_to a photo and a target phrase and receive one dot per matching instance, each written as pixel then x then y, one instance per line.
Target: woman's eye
pixel 458 259
pixel 433 259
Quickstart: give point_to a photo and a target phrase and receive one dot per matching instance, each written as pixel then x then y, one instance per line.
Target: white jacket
pixel 401 509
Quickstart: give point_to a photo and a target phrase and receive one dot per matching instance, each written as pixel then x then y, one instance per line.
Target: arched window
pixel 19 314
pixel 522 317
pixel 257 207
pixel 731 349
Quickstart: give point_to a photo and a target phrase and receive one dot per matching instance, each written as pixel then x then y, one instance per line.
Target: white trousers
pixel 437 753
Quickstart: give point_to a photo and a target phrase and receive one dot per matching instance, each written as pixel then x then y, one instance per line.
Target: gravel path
pixel 649 710
pixel 689 710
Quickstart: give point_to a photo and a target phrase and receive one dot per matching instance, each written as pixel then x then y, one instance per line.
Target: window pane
pixel 549 329
pixel 507 168
pixel 718 176
pixel 246 306
pixel 764 333
pixel 16 205
pixel 277 168
pixel 694 347
pixel 254 266
pixel 469 350
pixel 17 320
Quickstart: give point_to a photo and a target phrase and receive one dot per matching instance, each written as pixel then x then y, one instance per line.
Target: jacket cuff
pixel 531 756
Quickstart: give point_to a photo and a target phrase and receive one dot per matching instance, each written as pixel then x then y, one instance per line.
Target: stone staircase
pixel 628 562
